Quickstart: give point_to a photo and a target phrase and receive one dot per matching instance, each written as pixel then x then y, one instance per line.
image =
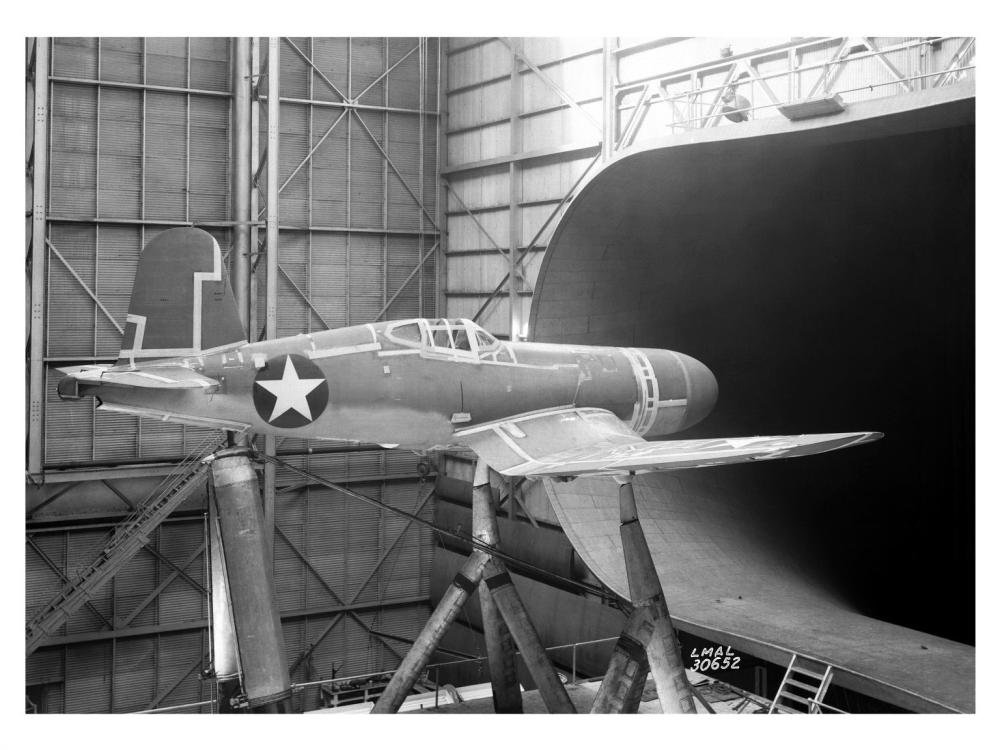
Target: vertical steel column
pixel 253 327
pixel 241 178
pixel 39 166
pixel 259 637
pixel 500 648
pixel 514 216
pixel 440 267
pixel 662 649
pixel 273 199
pixel 608 99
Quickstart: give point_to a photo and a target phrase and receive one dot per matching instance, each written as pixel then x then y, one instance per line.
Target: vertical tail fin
pixel 181 303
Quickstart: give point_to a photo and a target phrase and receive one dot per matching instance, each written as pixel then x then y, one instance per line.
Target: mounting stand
pixel 648 643
pixel 504 618
pixel 256 624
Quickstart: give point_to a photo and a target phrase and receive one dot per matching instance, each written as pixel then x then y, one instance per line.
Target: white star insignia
pixel 291 391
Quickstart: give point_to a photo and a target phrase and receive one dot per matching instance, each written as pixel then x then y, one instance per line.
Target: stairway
pixel 128 538
pixel 804 685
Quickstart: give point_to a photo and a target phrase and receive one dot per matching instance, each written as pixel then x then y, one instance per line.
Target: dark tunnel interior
pixel 826 276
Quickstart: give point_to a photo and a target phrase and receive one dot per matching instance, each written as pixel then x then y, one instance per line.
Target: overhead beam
pixel 567 151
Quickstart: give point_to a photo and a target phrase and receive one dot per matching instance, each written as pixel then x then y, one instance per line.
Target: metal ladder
pixel 123 544
pixel 810 683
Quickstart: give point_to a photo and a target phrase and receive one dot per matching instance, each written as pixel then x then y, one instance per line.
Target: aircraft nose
pixel 702 390
pixel 685 393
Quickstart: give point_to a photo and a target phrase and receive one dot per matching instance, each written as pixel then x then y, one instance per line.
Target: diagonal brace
pixel 394 169
pixel 304 297
pixel 319 72
pixel 85 287
pixel 552 85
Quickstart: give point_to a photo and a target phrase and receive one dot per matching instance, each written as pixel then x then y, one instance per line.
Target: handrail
pixel 723 62
pixel 867 87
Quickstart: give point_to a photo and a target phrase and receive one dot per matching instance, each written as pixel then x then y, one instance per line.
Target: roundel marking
pixel 290 391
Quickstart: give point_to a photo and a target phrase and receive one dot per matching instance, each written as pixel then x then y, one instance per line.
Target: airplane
pixel 526 409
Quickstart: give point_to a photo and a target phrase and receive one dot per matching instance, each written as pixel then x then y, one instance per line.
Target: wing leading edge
pixel 590 442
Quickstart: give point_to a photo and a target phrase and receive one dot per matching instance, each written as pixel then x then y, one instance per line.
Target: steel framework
pixel 182 132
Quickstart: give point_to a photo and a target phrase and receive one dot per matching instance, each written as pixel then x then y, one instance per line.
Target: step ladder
pixel 803 687
pixel 124 543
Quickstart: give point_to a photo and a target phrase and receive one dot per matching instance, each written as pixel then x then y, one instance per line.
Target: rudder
pixel 181 303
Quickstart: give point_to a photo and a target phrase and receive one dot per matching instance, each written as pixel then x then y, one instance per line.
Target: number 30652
pixel 717 663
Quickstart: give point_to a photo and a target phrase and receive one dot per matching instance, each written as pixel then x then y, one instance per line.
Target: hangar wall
pixel 140 138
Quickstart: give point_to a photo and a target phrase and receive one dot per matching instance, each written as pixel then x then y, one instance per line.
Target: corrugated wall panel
pixel 74 57
pixel 73 149
pixel 210 67
pixel 160 440
pixel 166 156
pixel 367 65
pixel 135 674
pixel 329 276
pixel 180 657
pixel 330 56
pixel 181 601
pixel 41 581
pixel 46 665
pixel 366 277
pixel 133 584
pixel 209 191
pixel 71 311
pixel 88 678
pixel 404 80
pixel 329 169
pixel 367 178
pixel 68 426
pixel 294 208
pixel 294 70
pixel 115 436
pixel 166 61
pixel 404 150
pixel 121 59
pixel 119 186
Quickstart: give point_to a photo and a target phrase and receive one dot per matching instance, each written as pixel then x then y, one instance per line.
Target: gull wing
pixel 587 442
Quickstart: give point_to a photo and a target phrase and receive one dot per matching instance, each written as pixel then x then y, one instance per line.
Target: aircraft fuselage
pixel 413 383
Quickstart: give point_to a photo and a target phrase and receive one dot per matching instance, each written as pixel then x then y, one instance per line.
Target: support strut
pixel 500 648
pixel 260 642
pixel 650 626
pixel 480 566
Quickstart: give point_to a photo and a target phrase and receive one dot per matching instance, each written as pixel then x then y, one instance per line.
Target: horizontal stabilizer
pixel 165 376
pixel 587 442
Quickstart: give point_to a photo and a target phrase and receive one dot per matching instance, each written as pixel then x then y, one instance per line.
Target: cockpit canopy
pixel 450 337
